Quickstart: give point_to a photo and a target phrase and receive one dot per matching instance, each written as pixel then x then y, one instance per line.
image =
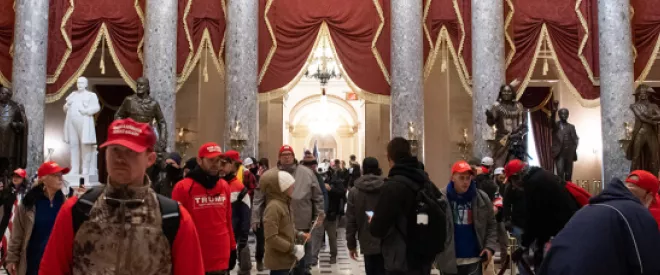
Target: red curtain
pixel 646 35
pixel 455 17
pixel 539 101
pixel 574 41
pixel 288 30
pixel 120 21
pixel 201 32
pixel 110 97
pixel 6 40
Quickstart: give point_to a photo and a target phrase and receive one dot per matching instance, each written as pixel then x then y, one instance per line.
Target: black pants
pixel 374 264
pixel 259 254
pixel 424 270
pixel 279 272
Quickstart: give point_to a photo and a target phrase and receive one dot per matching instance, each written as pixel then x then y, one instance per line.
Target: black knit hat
pixel 370 166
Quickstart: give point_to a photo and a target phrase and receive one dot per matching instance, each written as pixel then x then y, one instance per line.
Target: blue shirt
pixel 45 213
pixel 465 235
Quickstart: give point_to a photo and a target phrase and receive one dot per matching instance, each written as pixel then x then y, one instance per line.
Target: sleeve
pixel 58 256
pixel 351 223
pixel 389 207
pixel 95 107
pixel 245 224
pixel 186 251
pixel 17 235
pixel 317 197
pixel 272 219
pixel 230 229
pixel 257 206
pixel 491 227
pixel 123 110
pixel 179 193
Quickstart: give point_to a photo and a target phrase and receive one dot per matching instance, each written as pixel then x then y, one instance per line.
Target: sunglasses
pixel 130 204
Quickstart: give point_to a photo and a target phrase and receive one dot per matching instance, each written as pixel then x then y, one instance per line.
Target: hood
pixel 198 175
pixel 615 190
pixel 369 183
pixel 269 185
pixel 410 168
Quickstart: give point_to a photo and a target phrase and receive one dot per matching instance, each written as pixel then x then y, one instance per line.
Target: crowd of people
pixel 196 216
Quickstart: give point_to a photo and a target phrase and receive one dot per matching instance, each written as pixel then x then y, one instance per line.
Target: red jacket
pixel 58 256
pixel 211 211
pixel 655 209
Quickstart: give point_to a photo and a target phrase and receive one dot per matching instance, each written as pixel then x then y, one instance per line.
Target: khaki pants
pixel 490 269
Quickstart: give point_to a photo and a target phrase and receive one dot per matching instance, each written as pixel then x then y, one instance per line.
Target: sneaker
pixel 260 266
pixel 333 260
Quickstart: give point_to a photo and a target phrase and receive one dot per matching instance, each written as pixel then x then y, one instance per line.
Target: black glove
pixel 508 226
pixel 517 255
pixel 232 259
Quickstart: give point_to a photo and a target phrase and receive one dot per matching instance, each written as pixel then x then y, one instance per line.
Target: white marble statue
pixel 79 131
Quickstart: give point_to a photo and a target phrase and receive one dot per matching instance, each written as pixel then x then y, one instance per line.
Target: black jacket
pixel 363 197
pixel 336 197
pixel 549 206
pixel 390 222
pixel 514 206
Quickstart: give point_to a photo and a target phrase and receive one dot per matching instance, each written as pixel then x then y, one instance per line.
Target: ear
pixel 151 158
pixel 199 161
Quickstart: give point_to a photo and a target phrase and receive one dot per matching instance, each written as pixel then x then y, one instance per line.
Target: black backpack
pixel 425 241
pixel 169 210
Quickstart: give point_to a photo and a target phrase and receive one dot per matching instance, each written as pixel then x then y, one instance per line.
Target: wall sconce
pixel 50 154
pixel 182 143
pixel 237 138
pixel 627 136
pixel 464 145
pixel 413 138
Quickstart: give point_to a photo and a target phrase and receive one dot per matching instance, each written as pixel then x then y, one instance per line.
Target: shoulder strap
pixel 83 207
pixel 169 211
pixel 242 194
pixel 630 231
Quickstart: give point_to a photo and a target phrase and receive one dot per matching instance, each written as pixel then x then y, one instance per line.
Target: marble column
pixel 407 94
pixel 242 101
pixel 29 72
pixel 160 59
pixel 488 72
pixel 616 82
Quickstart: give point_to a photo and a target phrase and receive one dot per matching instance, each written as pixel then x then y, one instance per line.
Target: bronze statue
pixel 564 144
pixel 13 133
pixel 142 108
pixel 644 149
pixel 510 120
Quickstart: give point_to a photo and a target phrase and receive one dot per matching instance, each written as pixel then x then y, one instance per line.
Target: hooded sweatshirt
pixel 465 236
pixel 614 235
pixel 363 197
pixel 208 199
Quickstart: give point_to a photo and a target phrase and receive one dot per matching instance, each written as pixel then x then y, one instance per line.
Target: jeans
pixel 374 264
pixel 469 269
pixel 304 265
pixel 319 235
pixel 279 272
pixel 259 254
pixel 517 233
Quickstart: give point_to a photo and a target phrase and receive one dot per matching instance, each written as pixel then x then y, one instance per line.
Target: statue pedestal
pixel 74 180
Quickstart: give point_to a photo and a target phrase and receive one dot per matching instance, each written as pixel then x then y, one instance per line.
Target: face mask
pixel 254 170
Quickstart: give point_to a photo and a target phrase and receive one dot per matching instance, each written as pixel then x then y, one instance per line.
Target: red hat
pixel 644 180
pixel 51 167
pixel 513 167
pixel 286 148
pixel 209 150
pixel 484 169
pixel 130 134
pixel 20 172
pixel 461 166
pixel 235 156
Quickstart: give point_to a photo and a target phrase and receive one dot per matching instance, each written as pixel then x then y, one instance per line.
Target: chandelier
pixel 323 123
pixel 323 66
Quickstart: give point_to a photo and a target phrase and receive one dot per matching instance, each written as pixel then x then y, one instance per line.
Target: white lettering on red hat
pixel 125 129
pixel 214 148
pixel 464 165
pixel 54 165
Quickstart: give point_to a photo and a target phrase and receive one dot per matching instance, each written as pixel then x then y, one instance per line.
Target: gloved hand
pixel 517 255
pixel 299 251
pixel 232 259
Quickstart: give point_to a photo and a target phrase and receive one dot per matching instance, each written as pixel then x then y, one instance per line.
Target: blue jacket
pixel 615 234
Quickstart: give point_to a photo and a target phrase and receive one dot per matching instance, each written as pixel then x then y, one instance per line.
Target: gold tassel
pixel 102 65
pixel 443 48
pixel 206 62
pixel 545 59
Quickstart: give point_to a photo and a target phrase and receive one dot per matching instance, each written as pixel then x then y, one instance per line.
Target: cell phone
pixel 370 213
pixel 81 183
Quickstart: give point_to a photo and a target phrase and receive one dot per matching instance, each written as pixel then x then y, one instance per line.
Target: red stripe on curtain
pixel 646 35
pixel 6 40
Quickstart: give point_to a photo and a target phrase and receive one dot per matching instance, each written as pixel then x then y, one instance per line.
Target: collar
pixel 122 191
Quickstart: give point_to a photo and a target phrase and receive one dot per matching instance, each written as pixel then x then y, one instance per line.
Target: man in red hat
pixel 240 209
pixel 615 234
pixel 9 195
pixel 206 195
pixel 121 227
pixel 549 205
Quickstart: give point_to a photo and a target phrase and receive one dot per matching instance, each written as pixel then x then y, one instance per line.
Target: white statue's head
pixel 82 83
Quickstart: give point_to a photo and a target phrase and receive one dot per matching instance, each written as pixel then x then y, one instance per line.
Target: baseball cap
pixel 234 155
pixel 487 161
pixel 209 150
pixel 130 134
pixel 644 180
pixel 499 171
pixel 513 167
pixel 20 172
pixel 461 166
pixel 286 148
pixel 248 161
pixel 51 167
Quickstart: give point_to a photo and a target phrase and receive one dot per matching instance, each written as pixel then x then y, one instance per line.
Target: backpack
pixel 426 237
pixel 580 195
pixel 169 211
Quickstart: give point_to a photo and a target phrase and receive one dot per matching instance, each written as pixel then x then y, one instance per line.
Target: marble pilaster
pixel 488 72
pixel 29 72
pixel 160 59
pixel 407 94
pixel 242 100
pixel 616 82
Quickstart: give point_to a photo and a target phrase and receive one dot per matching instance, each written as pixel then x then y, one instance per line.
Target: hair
pixel 263 162
pixel 353 157
pixel 373 171
pixel 398 148
pixel 499 95
pixel 337 162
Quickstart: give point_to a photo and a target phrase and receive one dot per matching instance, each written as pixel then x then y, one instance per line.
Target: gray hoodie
pixel 361 198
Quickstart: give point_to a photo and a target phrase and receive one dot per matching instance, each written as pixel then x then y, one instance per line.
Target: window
pixel 531 146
